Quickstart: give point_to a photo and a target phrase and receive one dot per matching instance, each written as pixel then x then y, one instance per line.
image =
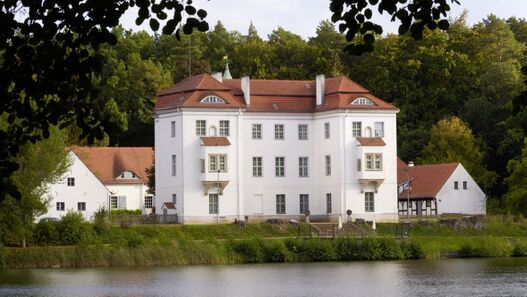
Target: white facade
pixel 256 197
pixel 130 196
pixel 78 190
pixel 461 194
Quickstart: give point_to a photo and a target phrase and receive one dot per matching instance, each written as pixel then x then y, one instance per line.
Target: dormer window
pixel 212 100
pixel 127 175
pixel 362 101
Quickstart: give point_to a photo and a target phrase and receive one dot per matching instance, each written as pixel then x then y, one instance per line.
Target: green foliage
pixel 274 251
pixel 516 196
pixel 126 211
pixel 248 249
pixel 101 224
pixel 520 248
pixel 47 232
pixel 451 140
pixel 487 247
pixel 73 228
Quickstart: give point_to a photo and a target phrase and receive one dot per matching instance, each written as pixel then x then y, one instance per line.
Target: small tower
pixel 227 73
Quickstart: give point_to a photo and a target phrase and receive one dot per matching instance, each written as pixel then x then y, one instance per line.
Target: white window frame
pixel 379 129
pixel 465 185
pixel 303 200
pixel 279 166
pixel 225 128
pixel 213 203
pixel 362 101
pixel 329 203
pixel 327 160
pixel 212 99
pixel 257 131
pixel 257 166
pixel 173 129
pixel 174 198
pixel 61 206
pixel 280 204
pixel 217 162
pixel 456 185
pixel 114 202
pixel 369 202
pixel 303 166
pixel 327 130
pixel 201 127
pixel 174 168
pixel 279 131
pixel 71 182
pixel 356 128
pixel 302 132
pixel 148 201
pixel 373 161
pixel 81 206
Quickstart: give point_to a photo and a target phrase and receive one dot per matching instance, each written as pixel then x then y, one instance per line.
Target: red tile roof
pixel 371 141
pixel 107 163
pixel 425 180
pixel 215 141
pixel 268 95
pixel 169 205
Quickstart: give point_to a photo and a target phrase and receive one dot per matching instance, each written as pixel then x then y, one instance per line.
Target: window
pixel 304 203
pixel 357 129
pixel 379 129
pixel 212 99
pixel 213 203
pixel 71 181
pixel 303 167
pixel 279 131
pixel 464 185
pixel 201 127
pixel 327 130
pixel 217 162
pixel 148 201
pixel 328 165
pixel 202 165
pixel 224 128
pixel 373 162
pixel 280 204
pixel 81 206
pixel 369 205
pixel 61 206
pixel 328 203
pixel 173 129
pixel 174 198
pixel 173 165
pixel 257 131
pixel 359 165
pixel 456 186
pixel 279 163
pixel 121 202
pixel 302 132
pixel 113 202
pixel 257 166
pixel 362 101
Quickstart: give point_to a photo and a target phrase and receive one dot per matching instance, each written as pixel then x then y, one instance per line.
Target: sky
pixel 302 16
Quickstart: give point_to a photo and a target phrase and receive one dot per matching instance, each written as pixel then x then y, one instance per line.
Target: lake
pixel 447 277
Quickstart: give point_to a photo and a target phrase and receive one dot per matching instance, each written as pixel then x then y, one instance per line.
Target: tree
pixel 41 163
pixel 516 196
pixel 49 54
pixel 451 140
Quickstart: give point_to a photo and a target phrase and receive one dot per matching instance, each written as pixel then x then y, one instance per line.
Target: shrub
pixel 412 250
pixel 311 249
pixel 370 249
pixel 3 257
pixel 100 221
pixel 248 249
pixel 390 249
pixel 520 248
pixel 487 247
pixel 126 211
pixel 135 240
pixel 274 251
pixel 73 228
pixel 346 249
pixel 47 232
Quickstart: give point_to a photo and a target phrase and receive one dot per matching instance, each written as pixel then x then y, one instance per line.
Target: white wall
pixel 242 195
pixel 134 193
pixel 87 189
pixel 469 201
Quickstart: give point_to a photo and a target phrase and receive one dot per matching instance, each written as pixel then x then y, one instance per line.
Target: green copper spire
pixel 227 73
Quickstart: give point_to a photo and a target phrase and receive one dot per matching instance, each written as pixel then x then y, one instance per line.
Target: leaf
pixel 443 25
pixel 154 25
pixel 202 13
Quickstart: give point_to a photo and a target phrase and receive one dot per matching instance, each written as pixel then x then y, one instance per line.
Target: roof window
pixel 362 101
pixel 213 100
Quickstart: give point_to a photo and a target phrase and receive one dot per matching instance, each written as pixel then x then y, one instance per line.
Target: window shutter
pixel 122 202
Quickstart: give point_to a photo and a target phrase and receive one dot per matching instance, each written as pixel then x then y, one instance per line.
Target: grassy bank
pixel 153 245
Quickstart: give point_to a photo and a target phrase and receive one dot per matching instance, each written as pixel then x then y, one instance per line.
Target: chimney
pixel 411 164
pixel 246 89
pixel 321 82
pixel 218 76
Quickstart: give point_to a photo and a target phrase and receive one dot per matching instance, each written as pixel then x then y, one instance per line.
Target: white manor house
pixel 230 149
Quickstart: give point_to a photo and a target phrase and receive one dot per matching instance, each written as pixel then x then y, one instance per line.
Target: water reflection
pixel 452 277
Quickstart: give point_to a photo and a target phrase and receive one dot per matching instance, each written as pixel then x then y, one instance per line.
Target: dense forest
pixel 456 89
